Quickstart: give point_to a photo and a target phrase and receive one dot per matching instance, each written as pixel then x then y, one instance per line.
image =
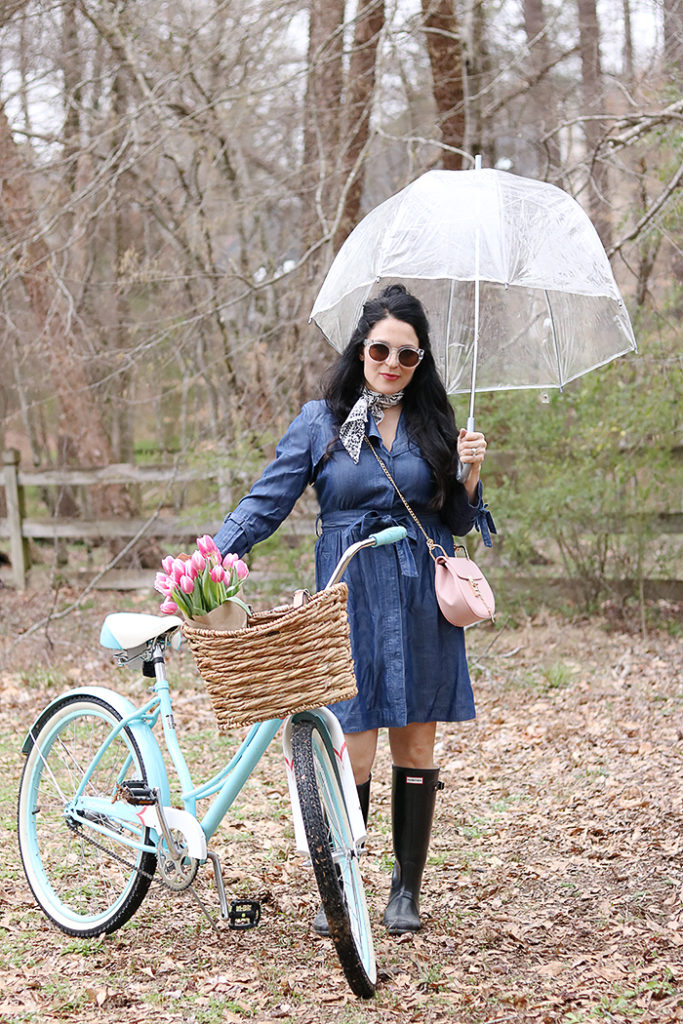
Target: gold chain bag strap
pixel 462 591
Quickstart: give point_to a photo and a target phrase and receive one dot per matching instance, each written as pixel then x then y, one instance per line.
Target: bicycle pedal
pixel 135 791
pixel 244 914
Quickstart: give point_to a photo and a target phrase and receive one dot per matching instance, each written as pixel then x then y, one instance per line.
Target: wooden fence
pixel 20 530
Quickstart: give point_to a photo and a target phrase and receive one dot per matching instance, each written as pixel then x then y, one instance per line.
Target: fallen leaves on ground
pixel 553 892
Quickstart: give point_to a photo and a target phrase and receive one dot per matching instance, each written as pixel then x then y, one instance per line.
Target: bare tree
pixel 629 66
pixel 593 127
pixel 174 215
pixel 673 33
pixel 444 46
pixel 321 170
pixel 79 416
pixel 360 93
pixel 543 107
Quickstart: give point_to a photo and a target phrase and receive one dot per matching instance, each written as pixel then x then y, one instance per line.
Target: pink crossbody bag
pixel 462 591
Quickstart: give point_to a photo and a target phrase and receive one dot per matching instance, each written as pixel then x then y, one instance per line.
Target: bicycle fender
pixel 300 841
pixel 343 762
pixel 144 737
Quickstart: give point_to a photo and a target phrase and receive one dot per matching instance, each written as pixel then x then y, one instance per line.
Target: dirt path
pixel 554 891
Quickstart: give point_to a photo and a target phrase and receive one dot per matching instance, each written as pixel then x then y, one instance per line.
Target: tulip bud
pixel 218 574
pixel 241 569
pixel 168 607
pixel 198 561
pixel 186 584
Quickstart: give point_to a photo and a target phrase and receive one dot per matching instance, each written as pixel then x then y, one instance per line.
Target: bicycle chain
pixel 146 874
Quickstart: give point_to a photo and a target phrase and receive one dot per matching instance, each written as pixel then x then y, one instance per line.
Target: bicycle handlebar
pixel 392 535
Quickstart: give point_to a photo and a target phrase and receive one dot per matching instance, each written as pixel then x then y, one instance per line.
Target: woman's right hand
pixel 471 448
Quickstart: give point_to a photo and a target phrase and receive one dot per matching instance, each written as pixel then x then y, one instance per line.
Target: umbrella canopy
pixel 512 274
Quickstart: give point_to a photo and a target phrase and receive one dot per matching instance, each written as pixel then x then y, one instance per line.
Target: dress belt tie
pixel 357 524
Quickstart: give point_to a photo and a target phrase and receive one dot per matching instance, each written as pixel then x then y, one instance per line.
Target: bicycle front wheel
pixel 333 853
pixel 86 882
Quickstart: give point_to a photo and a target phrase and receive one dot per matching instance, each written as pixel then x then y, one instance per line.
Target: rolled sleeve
pixel 464 515
pixel 274 494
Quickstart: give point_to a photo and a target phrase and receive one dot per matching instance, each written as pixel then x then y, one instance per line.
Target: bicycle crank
pixel 178 871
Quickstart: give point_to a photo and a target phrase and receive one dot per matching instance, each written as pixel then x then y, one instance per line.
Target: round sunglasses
pixel 379 352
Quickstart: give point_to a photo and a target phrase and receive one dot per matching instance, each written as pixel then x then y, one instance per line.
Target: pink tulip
pixel 162 583
pixel 218 574
pixel 229 561
pixel 177 570
pixel 191 570
pixel 186 584
pixel 168 607
pixel 241 569
pixel 198 561
pixel 167 564
pixel 207 545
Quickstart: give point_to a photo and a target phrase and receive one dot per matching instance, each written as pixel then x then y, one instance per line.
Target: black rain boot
pixel 320 925
pixel 412 808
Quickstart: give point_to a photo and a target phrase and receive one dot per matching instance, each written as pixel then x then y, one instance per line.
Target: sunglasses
pixel 379 352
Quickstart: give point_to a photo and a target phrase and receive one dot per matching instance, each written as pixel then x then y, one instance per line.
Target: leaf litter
pixel 553 891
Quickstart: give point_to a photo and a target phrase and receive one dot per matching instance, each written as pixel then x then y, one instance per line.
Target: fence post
pixel 15 511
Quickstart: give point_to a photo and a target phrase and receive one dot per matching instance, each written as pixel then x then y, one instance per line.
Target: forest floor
pixel 553 891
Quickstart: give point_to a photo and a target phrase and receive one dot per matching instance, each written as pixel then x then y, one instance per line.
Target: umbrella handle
pixel 466 468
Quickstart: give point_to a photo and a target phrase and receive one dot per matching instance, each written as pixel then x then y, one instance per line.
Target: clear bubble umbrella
pixel 512 274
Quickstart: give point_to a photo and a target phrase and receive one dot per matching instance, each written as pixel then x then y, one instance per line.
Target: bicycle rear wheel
pixel 333 853
pixel 86 882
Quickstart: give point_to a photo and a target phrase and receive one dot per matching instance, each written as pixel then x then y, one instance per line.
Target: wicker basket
pixel 284 661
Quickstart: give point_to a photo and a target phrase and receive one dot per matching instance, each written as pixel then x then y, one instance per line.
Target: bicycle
pixel 95 821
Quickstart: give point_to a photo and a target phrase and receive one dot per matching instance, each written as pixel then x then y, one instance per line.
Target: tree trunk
pixel 673 33
pixel 322 128
pixel 444 46
pixel 541 102
pixel 629 71
pixel 358 106
pixel 122 243
pixel 479 138
pixel 593 98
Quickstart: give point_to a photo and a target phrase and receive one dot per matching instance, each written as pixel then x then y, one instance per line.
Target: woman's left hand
pixel 471 448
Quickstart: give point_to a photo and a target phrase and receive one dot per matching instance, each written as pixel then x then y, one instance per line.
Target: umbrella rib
pixel 447 374
pixel 554 334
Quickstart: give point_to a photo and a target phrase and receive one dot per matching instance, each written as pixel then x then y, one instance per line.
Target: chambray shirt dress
pixel 409 661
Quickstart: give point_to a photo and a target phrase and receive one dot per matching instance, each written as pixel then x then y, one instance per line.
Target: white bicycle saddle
pixel 125 631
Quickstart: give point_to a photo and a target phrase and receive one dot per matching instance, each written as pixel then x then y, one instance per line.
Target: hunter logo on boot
pixel 414 780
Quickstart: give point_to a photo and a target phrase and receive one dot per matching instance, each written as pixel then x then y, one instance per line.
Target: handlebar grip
pixel 392 535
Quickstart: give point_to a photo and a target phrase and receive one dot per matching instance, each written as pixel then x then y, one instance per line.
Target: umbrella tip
pixel 477 162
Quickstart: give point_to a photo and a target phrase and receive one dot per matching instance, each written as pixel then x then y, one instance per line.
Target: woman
pixel 411 670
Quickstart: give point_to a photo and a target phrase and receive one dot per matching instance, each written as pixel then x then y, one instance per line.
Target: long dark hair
pixel 429 417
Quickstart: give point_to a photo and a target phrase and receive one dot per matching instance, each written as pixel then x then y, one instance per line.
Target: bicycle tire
pixel 333 854
pixel 82 887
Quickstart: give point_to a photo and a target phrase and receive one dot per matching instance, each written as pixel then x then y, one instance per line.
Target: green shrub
pixel 587 471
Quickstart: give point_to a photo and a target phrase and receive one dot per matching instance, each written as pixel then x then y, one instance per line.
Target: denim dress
pixel 409 661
